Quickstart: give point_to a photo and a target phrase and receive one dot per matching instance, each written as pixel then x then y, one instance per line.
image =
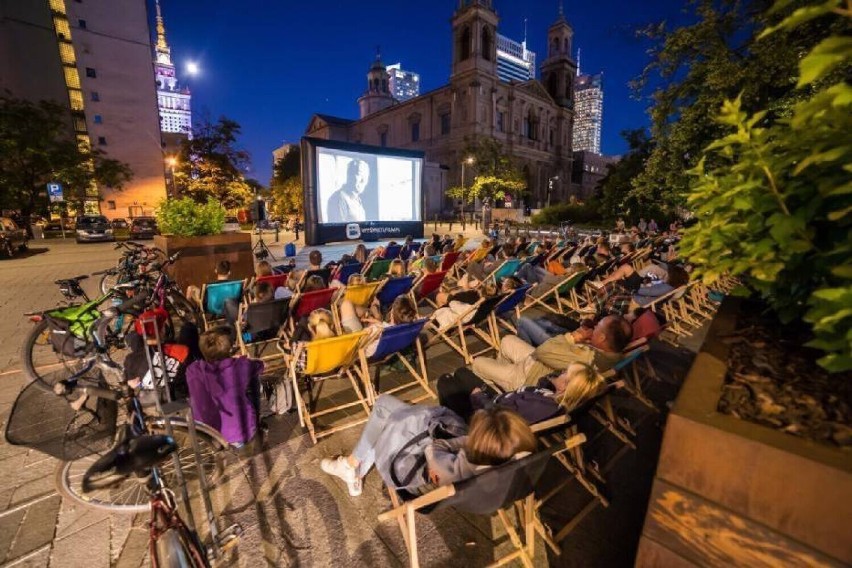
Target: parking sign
pixel 54 192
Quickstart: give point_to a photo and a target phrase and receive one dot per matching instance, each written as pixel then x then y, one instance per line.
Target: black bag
pixel 64 342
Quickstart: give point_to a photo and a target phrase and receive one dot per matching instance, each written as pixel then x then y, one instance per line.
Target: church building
pixel 531 120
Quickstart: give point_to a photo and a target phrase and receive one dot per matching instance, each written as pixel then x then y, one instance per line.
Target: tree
pixel 211 165
pixel 286 185
pixel 695 68
pixel 772 195
pixel 615 191
pixel 36 148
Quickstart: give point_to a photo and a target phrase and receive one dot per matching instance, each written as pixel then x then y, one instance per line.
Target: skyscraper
pixel 94 59
pixel 172 98
pixel 514 60
pixel 588 112
pixel 404 85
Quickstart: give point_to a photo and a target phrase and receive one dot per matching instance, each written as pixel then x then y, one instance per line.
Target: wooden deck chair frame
pixel 415 288
pixel 522 530
pixel 382 263
pixel 503 307
pixel 206 318
pixel 420 377
pixel 315 374
pixel 298 297
pixel 458 328
pixel 256 349
pixel 560 293
pixel 499 269
pixel 360 295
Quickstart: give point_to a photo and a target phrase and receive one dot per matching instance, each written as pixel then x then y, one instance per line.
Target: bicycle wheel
pixel 109 280
pixel 130 495
pixel 175 550
pixel 46 364
pixel 181 310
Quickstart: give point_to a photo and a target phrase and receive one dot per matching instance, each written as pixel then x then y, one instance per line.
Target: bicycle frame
pixel 165 517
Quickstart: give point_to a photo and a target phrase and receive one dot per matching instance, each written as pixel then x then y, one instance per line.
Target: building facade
pixel 94 59
pixel 514 61
pixel 589 169
pixel 404 85
pixel 530 120
pixel 173 99
pixel 588 113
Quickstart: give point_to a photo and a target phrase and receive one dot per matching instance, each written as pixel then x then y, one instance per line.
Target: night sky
pixel 271 65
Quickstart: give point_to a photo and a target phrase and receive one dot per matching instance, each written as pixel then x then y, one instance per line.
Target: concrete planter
pixel 732 493
pixel 199 256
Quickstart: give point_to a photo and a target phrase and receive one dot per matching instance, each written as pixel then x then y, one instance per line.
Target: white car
pixel 232 225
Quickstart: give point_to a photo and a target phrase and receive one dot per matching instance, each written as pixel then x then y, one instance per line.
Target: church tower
pixel 474 38
pixel 174 101
pixel 558 70
pixel 377 96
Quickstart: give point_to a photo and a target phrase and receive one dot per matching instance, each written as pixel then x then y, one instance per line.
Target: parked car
pixel 92 228
pixel 12 238
pixel 119 223
pixel 232 225
pixel 143 228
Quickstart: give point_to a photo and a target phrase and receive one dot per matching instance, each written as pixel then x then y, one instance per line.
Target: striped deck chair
pixel 314 362
pixel 425 286
pixel 395 341
pixel 213 297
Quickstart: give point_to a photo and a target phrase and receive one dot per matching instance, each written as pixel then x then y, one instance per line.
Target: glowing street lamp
pixel 467 161
pixel 172 161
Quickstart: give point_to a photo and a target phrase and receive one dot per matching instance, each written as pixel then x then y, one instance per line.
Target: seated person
pixel 495 436
pixel 262 293
pixel 265 269
pixel 477 272
pixel 319 324
pixel 519 363
pixel 676 277
pixel 457 302
pixel 459 242
pixel 427 251
pixel 396 269
pixel 222 271
pixel 481 253
pixel 402 311
pixel 224 391
pixel 464 393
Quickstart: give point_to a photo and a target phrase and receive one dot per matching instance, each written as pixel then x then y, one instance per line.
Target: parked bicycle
pixel 133 261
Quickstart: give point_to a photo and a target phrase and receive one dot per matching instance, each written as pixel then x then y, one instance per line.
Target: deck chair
pixel 394 341
pixel 360 295
pixel 303 304
pixel 506 268
pixel 507 490
pixel 258 326
pixel 409 250
pixel 324 273
pixel 470 320
pixel 213 296
pixel 392 252
pixel 392 289
pixel 282 269
pixel 557 300
pixel 274 280
pixel 509 307
pixel 325 359
pixel 376 269
pixel 425 286
pixel 449 259
pixel 344 271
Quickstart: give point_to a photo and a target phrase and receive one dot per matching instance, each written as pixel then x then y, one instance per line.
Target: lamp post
pixel 171 161
pixel 469 161
pixel 550 188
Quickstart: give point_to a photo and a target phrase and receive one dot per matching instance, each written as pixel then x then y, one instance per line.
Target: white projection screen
pixel 357 187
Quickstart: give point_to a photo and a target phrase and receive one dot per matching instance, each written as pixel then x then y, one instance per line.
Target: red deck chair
pixel 427 285
pixel 309 301
pixel 449 260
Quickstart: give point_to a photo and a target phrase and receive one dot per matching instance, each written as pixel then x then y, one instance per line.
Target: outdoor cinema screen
pixel 361 186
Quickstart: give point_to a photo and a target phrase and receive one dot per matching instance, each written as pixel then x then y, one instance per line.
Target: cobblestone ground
pixel 291 513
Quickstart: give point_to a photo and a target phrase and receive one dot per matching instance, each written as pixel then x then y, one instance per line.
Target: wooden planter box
pixel 199 256
pixel 732 493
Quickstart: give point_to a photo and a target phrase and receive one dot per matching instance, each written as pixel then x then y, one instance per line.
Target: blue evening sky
pixel 270 65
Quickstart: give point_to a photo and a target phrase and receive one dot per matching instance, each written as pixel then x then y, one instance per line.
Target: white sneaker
pixel 340 467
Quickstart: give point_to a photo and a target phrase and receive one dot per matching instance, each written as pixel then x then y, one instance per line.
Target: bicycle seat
pixel 130 456
pixel 69 280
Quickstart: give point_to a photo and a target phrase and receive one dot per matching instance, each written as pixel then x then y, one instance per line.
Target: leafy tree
pixel 772 195
pixel 36 148
pixel 286 185
pixel 615 194
pixel 185 217
pixel 211 166
pixel 695 68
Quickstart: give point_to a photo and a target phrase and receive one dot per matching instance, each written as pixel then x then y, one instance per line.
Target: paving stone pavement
pixel 291 513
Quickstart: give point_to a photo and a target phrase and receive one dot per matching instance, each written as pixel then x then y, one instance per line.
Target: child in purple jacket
pixel 224 391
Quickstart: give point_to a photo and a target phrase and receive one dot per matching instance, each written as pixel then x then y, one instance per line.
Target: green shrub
pixel 574 212
pixel 186 218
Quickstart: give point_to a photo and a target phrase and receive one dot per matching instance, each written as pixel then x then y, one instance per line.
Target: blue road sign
pixel 54 192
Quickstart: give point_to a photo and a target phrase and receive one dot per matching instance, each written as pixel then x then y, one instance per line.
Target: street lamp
pixel 172 161
pixel 467 161
pixel 550 187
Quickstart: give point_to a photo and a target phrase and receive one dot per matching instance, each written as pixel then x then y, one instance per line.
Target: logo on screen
pixel 353 231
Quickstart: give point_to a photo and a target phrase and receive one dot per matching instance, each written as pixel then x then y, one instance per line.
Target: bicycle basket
pixel 64 341
pixel 46 422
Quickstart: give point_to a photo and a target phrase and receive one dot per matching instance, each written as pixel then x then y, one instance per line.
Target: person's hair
pixel 352 168
pixel 263 269
pixel 403 310
pixel 216 343
pixel 604 246
pixel 448 248
pixel 429 265
pixel 510 283
pixel 583 382
pixel 508 250
pixel 496 435
pixel 408 239
pixel 436 238
pixel 677 276
pixel 396 268
pixel 361 253
pixel 485 243
pixel 263 291
pixel 292 282
pixel 223 267
pixel 616 335
pixel 315 258
pixel 321 324
pixel 627 248
pixel 355 280
pixel 313 282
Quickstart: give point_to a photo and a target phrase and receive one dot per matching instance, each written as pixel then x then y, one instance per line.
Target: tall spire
pixel 561 15
pixel 525 31
pixel 162 46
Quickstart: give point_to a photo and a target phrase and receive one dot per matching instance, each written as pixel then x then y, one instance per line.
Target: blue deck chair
pixel 395 341
pixel 509 307
pixel 393 288
pixel 392 251
pixel 214 295
pixel 347 270
pixel 411 249
pixel 507 268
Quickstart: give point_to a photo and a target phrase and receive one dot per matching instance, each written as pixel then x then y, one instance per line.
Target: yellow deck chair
pixel 325 359
pixel 360 295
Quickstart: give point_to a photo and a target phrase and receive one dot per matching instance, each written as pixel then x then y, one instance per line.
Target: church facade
pixel 531 120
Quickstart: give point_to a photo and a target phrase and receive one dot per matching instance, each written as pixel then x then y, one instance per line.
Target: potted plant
pixel 195 230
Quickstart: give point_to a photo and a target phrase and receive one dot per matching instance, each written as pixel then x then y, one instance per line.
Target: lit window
pixel 102 141
pixel 75 96
pixel 95 96
pixel 57 6
pixel 72 79
pixel 66 53
pixel 83 142
pixel 62 29
pixel 79 124
pixel 99 119
pixel 90 72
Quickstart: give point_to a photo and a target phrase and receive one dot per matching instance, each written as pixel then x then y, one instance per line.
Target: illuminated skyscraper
pixel 588 112
pixel 514 60
pixel 404 85
pixel 172 99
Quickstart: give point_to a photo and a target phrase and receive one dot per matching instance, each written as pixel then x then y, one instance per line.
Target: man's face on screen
pixel 362 176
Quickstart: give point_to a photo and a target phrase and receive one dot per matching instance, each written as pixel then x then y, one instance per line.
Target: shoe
pixel 340 467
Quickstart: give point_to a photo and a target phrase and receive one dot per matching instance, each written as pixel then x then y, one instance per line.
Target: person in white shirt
pixel 344 205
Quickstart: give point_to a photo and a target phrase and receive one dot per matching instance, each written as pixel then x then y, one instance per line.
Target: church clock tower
pixel 377 96
pixel 474 38
pixel 558 69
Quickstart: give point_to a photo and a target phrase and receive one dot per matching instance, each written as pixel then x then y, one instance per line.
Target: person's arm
pixel 560 351
pixel 654 290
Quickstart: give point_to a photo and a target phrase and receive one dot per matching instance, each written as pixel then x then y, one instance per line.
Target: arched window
pixel 552 85
pixel 486 44
pixel 464 44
